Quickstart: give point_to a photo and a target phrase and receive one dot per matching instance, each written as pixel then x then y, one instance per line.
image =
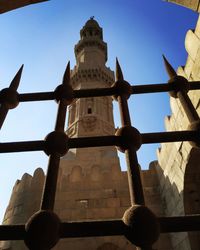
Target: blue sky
pixel 42 37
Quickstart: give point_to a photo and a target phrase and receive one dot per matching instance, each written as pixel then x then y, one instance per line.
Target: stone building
pixel 91 183
pixel 179 174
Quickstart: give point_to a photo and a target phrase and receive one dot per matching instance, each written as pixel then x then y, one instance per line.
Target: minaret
pixel 91 116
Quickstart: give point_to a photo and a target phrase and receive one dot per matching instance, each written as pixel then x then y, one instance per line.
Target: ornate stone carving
pixel 89 122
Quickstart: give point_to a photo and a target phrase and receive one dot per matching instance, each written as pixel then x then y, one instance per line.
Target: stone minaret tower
pixel 91 116
pixel 91 185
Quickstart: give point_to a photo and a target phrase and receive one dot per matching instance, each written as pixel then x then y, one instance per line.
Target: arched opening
pixel 192 193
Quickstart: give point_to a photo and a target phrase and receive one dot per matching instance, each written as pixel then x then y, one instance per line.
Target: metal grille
pixel 139 224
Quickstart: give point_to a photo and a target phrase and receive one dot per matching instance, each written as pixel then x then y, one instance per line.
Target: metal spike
pixel 16 80
pixel 118 73
pixel 170 70
pixel 66 77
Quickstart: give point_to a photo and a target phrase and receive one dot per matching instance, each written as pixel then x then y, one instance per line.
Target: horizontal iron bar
pixel 42 96
pixel 92 228
pixel 152 88
pixel 136 89
pixel 12 232
pixel 194 85
pixel 180 223
pixel 170 136
pixel 8 147
pixel 162 87
pixel 98 141
pixel 105 228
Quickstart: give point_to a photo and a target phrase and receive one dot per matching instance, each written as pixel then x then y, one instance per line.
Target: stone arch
pixel 95 173
pixel 76 174
pixel 108 246
pixel 191 195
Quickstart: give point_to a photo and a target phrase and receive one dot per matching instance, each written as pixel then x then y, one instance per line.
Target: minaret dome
pixel 91 45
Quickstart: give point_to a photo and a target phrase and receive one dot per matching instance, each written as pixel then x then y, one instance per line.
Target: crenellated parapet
pixel 25 198
pixel 24 202
pixel 100 74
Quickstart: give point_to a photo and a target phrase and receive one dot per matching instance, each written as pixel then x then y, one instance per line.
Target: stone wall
pixel 191 4
pixel 178 163
pixel 81 195
pixel 24 201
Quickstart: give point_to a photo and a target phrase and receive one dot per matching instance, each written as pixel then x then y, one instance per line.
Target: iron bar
pixel 188 106
pixel 134 178
pixel 83 93
pixel 40 96
pixel 8 147
pixel 194 85
pixel 112 227
pixel 12 232
pixel 49 193
pixel 124 111
pixel 187 223
pixel 151 88
pixel 171 136
pixel 98 141
pixel 48 197
pixel 61 116
pixel 180 223
pixel 3 114
pixel 92 228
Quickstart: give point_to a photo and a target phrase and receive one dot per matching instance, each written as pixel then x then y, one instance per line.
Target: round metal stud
pixel 56 142
pixel 123 88
pixel 142 226
pixel 130 137
pixel 9 97
pixel 64 92
pixel 42 230
pixel 180 83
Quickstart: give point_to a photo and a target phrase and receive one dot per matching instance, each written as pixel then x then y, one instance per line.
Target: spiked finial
pixel 65 91
pixel 170 70
pixel 118 73
pixel 16 80
pixel 66 77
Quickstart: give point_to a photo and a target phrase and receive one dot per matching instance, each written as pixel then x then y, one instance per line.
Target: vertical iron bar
pixel 3 114
pixel 188 106
pixel 134 178
pixel 61 116
pixel 124 111
pixel 49 193
pixel 48 198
